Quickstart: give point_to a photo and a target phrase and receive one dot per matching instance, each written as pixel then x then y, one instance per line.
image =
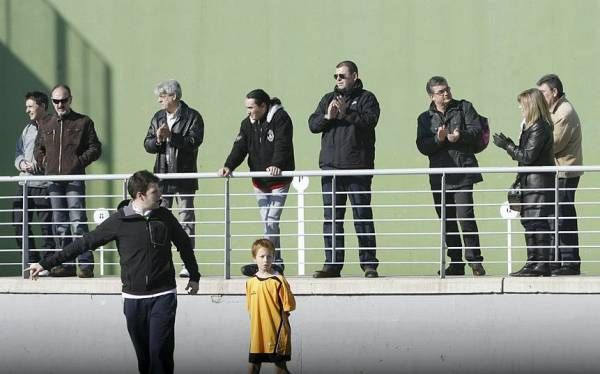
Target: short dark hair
pixel 435 81
pixel 553 81
pixel 349 64
pixel 260 97
pixel 139 182
pixel 40 98
pixel 61 86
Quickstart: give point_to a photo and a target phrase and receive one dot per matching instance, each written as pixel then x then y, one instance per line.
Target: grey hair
pixel 170 87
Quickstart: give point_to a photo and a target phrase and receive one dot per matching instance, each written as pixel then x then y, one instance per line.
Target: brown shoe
pixel 478 269
pixel 85 273
pixel 62 271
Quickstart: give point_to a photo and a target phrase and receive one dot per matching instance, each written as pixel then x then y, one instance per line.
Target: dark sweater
pixel 144 245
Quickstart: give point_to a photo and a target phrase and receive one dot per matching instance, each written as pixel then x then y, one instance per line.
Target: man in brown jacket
pixel 567 151
pixel 66 144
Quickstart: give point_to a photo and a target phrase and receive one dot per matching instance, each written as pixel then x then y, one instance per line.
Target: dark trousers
pixel 358 190
pixel 151 326
pixel 568 250
pixel 465 214
pixel 39 201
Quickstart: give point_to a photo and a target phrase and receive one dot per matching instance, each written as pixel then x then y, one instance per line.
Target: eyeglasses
pixel 340 76
pixel 59 101
pixel 442 92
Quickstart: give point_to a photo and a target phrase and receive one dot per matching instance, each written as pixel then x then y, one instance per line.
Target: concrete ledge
pixel 336 286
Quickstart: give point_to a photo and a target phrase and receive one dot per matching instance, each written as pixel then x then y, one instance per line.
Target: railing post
pixel 25 232
pixel 443 243
pixel 227 248
pixel 556 218
pixel 333 220
pixel 300 184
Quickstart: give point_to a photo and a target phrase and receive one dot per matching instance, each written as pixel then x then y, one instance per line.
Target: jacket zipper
pixel 147 247
pixel 60 146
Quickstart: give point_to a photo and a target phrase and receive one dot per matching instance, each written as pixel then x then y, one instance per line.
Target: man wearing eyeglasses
pixel 346 119
pixel 447 133
pixel 66 145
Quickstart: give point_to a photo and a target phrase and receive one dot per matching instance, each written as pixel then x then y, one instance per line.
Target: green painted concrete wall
pixel 112 53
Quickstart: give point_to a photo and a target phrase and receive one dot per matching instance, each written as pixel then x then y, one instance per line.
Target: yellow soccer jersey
pixel 269 301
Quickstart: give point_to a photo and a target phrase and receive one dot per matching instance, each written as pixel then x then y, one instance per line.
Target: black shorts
pixel 257 358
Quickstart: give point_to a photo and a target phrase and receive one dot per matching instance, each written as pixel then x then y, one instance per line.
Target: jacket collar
pixel 558 102
pixel 451 105
pixel 354 91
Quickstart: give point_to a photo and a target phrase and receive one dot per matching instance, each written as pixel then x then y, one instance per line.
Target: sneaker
pixel 85 273
pixel 478 269
pixel 249 270
pixel 43 273
pixel 62 271
pixel 184 273
pixel 326 273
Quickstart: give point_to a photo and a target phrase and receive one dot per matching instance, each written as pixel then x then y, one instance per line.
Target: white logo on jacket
pixel 270 135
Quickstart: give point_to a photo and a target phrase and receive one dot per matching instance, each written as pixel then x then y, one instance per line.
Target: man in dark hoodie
pixel 265 136
pixel 346 119
pixel 144 232
pixel 175 133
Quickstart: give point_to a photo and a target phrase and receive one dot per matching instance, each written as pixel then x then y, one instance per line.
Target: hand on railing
pixel 35 270
pixel 224 172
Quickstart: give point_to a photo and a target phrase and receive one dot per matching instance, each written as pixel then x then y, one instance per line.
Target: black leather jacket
pixel 460 115
pixel 536 148
pixel 182 148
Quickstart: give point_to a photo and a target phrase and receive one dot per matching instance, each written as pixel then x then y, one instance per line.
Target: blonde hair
pixel 534 106
pixel 262 243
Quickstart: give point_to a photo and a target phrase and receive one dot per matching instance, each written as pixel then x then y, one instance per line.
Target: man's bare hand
pixel 192 287
pixel 454 136
pixel 224 172
pixel 163 133
pixel 274 170
pixel 332 110
pixel 441 134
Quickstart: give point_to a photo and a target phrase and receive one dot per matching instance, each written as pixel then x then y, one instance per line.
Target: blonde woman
pixel 535 148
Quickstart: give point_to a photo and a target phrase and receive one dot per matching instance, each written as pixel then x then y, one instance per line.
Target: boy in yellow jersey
pixel 269 301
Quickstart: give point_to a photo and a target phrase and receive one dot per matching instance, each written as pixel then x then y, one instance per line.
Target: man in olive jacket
pixel 144 232
pixel 66 145
pixel 175 133
pixel 446 133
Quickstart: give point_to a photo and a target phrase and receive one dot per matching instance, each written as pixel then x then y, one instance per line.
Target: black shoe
pixel 478 269
pixel 371 273
pixel 566 270
pixel 62 271
pixel 85 273
pixel 326 273
pixel 539 270
pixel 454 269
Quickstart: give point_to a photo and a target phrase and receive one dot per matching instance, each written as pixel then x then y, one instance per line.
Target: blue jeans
pixel 68 204
pixel 271 206
pixel 358 190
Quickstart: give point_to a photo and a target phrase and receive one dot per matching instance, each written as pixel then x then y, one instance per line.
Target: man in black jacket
pixel 175 133
pixel 346 119
pixel 447 134
pixel 144 232
pixel 265 136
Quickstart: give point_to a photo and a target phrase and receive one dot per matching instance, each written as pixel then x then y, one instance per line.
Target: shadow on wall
pixel 38 49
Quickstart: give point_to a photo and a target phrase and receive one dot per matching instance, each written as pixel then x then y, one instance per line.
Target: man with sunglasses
pixel 346 119
pixel 65 145
pixel 447 133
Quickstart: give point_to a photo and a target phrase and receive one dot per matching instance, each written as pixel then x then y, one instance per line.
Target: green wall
pixel 112 53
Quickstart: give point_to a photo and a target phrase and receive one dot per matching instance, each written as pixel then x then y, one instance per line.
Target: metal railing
pixel 411 238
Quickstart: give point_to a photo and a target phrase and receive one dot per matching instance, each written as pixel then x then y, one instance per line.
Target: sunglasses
pixel 340 76
pixel 59 101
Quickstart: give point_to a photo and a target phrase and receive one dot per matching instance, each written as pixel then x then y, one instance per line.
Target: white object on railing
pixel 300 184
pixel 508 214
pixel 100 215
